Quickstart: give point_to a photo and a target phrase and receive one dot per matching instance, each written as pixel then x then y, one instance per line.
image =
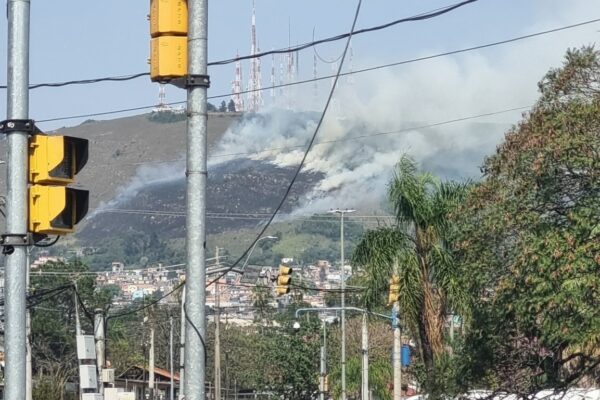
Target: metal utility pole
pixel 151 365
pixel 172 370
pixel 29 385
pixel 397 355
pixel 343 287
pixel 322 388
pixel 77 332
pixel 365 358
pixel 182 346
pixel 99 337
pixel 17 108
pixel 217 335
pixel 196 175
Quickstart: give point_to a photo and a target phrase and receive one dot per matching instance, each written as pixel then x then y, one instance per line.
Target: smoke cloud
pixel 403 100
pixel 355 148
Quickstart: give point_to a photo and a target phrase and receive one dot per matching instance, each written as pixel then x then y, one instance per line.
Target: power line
pixel 96 273
pixel 404 62
pixel 310 144
pixel 419 17
pixel 252 216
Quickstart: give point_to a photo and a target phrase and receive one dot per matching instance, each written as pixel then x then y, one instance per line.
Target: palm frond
pixel 376 253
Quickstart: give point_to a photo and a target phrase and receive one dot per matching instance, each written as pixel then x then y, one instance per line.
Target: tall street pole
pixel 29 386
pixel 397 358
pixel 172 369
pixel 196 175
pixel 77 333
pixel 365 358
pixel 397 355
pixel 99 337
pixel 17 108
pixel 343 287
pixel 217 336
pixel 151 365
pixel 323 362
pixel 182 348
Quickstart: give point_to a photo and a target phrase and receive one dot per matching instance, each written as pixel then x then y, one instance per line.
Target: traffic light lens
pixel 75 209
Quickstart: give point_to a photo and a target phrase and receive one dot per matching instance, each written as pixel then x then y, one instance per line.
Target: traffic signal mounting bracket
pixel 191 81
pixel 19 125
pixel 9 241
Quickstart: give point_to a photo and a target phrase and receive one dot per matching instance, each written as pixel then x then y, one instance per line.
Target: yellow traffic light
pixel 284 279
pixel 168 46
pixel 55 210
pixel 394 295
pixel 168 57
pixel 56 159
pixel 168 17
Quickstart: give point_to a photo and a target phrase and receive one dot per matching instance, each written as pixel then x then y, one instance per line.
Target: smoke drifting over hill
pixel 357 160
pixel 382 114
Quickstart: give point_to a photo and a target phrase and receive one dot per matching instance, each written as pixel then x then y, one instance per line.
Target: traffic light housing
pixel 54 161
pixel 284 279
pixel 394 294
pixel 55 210
pixel 168 43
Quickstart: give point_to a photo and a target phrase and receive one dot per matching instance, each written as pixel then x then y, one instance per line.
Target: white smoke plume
pixel 357 170
pixel 145 176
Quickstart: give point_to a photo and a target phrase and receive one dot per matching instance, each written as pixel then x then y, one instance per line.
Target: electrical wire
pixel 310 144
pixel 48 244
pixel 419 17
pixel 197 332
pixel 404 62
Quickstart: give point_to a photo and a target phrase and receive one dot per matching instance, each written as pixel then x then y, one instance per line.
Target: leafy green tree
pixel 529 241
pixel 418 245
pixel 52 308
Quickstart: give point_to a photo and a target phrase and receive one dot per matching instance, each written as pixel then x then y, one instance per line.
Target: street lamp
pixel 343 284
pixel 254 246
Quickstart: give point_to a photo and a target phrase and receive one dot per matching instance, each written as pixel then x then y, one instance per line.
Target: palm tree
pixel 416 248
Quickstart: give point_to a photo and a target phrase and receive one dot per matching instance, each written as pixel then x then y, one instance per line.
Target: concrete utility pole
pixel 17 108
pixel 397 355
pixel 343 284
pixel 29 386
pixel 365 358
pixel 322 388
pixel 217 335
pixel 151 365
pixel 172 369
pixel 99 337
pixel 77 331
pixel 182 347
pixel 196 175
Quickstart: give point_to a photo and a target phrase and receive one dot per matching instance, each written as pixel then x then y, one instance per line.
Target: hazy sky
pixel 77 39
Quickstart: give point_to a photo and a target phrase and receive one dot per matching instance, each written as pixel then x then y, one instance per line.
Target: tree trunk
pixel 426 352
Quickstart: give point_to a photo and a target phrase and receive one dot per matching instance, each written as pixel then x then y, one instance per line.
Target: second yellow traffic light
pixel 284 279
pixel 394 294
pixel 168 46
pixel 55 209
